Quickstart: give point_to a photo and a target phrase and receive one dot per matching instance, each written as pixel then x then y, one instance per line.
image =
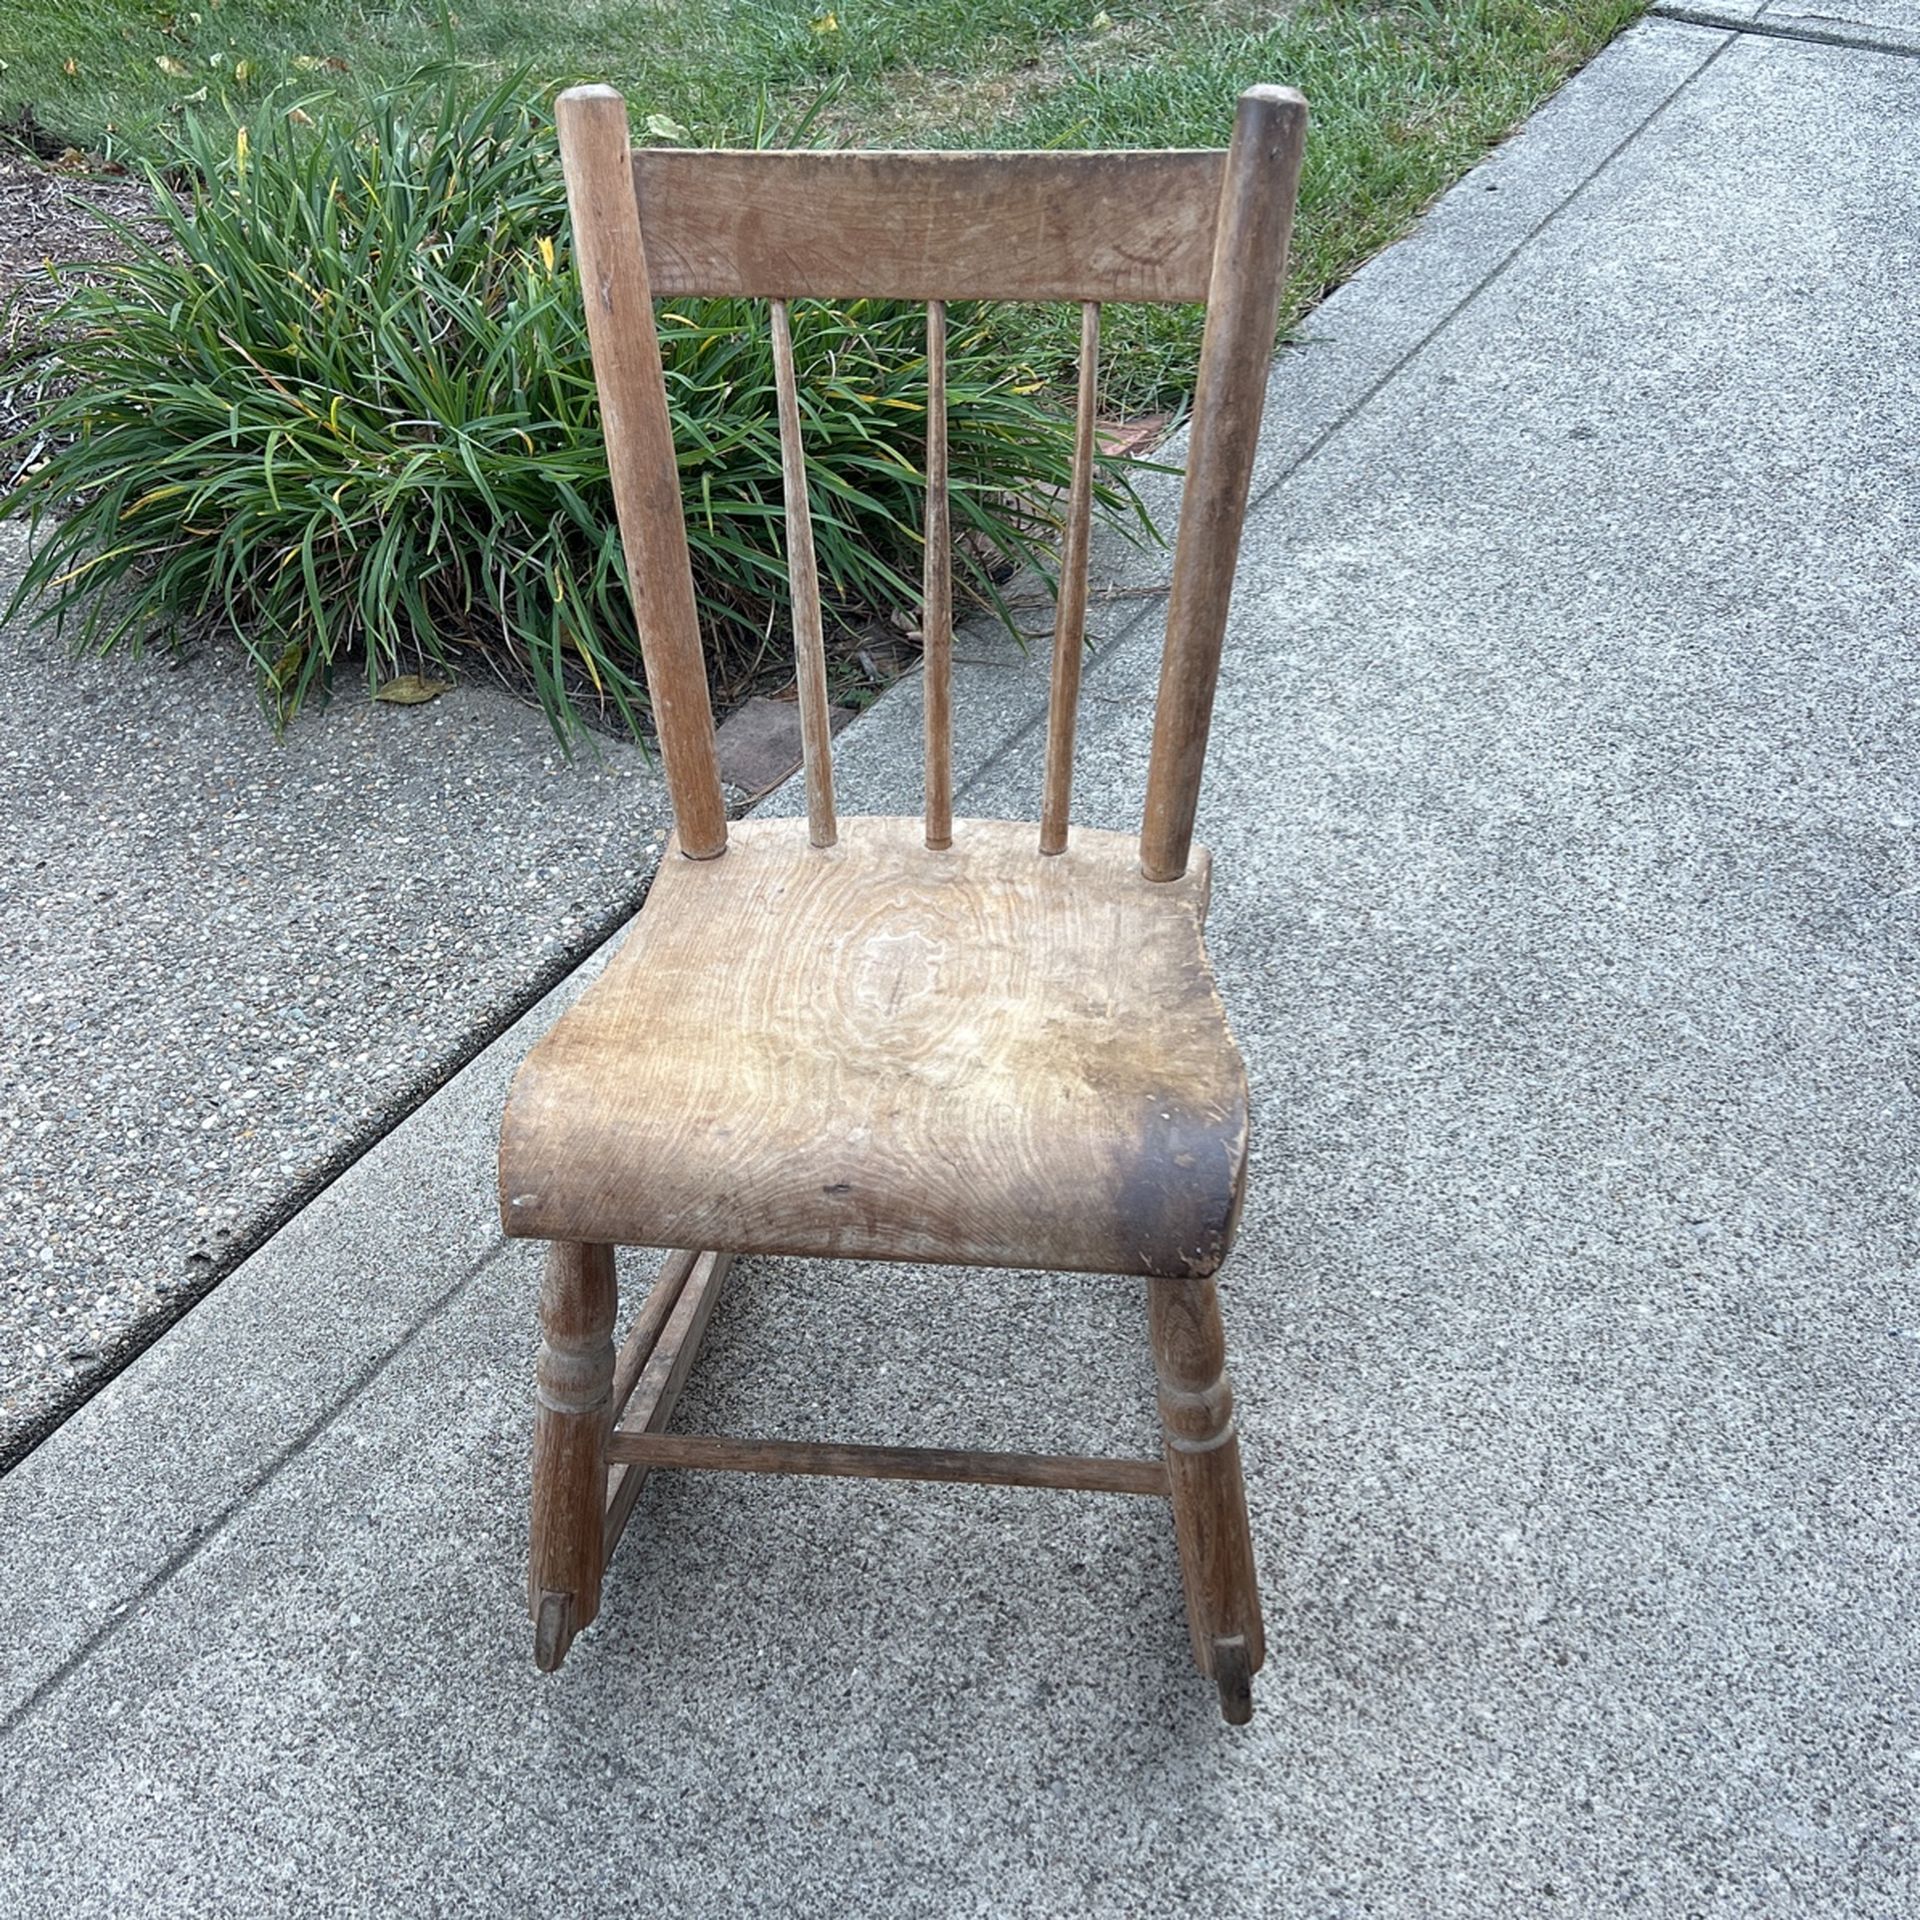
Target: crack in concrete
pixel 202 1536
pixel 1801 30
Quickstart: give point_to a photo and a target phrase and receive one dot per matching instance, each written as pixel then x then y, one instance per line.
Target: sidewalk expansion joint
pixel 295 1199
pixel 1838 35
pixel 208 1531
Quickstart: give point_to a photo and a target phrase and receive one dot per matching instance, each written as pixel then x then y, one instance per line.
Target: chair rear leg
pixel 1209 1498
pixel 574 1394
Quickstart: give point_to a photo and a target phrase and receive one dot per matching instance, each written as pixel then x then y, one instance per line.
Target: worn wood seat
pixel 981 1057
pixel 977 1042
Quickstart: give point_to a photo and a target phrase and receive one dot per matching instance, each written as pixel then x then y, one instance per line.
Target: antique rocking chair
pixel 974 1042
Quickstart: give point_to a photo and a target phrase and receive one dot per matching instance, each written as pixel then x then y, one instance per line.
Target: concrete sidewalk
pixel 1565 820
pixel 229 961
pixel 1886 26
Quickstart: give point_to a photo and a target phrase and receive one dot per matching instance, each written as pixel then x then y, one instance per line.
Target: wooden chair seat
pixel 984 1055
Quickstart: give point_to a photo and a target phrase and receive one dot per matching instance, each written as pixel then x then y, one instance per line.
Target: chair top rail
pixel 1169 227
pixel 1133 226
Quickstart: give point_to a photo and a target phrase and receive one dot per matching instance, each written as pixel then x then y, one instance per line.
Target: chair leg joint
pixel 553 1629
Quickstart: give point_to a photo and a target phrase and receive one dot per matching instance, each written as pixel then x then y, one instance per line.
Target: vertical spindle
pixel 809 642
pixel 1070 605
pixel 936 619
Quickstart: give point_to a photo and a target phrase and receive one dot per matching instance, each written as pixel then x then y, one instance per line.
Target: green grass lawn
pixel 1405 93
pixel 345 413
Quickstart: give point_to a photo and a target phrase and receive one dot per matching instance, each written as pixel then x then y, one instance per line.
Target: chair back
pixel 1168 227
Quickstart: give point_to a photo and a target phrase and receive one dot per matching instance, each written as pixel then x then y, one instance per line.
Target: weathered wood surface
pixel 1243 302
pixel 936 595
pixel 1070 606
pixel 1209 1500
pixel 644 1335
pixel 709 1452
pixel 803 579
pixel 573 1406
pixel 664 1372
pixel 929 226
pixel 594 150
pixel 982 1056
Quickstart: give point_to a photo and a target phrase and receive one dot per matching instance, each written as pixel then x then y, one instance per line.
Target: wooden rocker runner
pixel 973 1042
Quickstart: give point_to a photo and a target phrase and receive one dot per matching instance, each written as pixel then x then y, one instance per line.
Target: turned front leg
pixel 574 1394
pixel 1209 1498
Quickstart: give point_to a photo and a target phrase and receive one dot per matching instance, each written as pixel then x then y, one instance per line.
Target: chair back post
pixel 596 157
pixel 1243 301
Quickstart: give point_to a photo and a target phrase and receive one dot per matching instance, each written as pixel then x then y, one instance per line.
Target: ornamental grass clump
pixel 338 405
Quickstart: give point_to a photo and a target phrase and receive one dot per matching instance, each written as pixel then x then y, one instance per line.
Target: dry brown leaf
pixel 412 690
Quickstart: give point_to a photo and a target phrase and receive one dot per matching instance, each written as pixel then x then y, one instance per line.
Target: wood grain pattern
pixel 1070 607
pixel 594 150
pixel 574 1376
pixel 1256 222
pixel 710 1452
pixel 1209 1500
pixel 936 612
pixel 929 226
pixel 803 576
pixel 658 1388
pixel 979 1056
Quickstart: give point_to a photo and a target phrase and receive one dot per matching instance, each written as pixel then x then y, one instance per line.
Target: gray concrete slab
pixel 1726 13
pixel 228 961
pixel 1890 24
pixel 1565 810
pixel 1886 26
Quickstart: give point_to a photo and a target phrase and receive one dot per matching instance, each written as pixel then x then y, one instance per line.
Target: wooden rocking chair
pixel 974 1042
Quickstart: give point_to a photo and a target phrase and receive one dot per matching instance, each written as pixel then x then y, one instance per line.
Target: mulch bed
pixel 46 194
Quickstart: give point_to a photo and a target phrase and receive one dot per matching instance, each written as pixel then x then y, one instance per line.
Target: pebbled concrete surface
pixel 226 960
pixel 1890 24
pixel 1565 818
